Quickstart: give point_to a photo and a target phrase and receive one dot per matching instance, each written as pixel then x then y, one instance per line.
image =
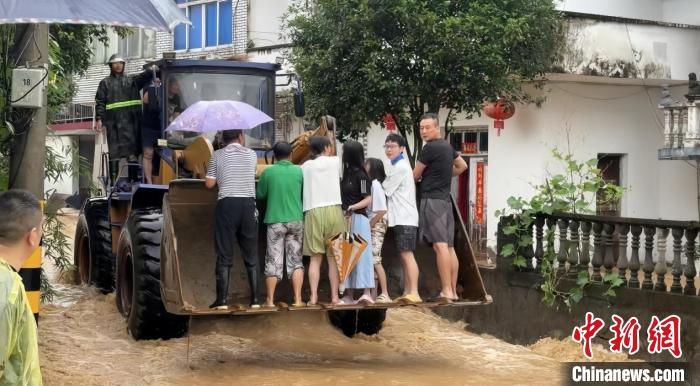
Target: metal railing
pixel 73 112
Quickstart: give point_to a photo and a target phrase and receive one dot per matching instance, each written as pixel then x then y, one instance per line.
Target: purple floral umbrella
pixel 213 116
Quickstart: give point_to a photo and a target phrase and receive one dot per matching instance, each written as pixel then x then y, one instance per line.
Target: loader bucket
pixel 188 258
pixel 187 247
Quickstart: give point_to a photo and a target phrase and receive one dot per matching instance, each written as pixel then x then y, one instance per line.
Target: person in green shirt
pixel 20 233
pixel 280 185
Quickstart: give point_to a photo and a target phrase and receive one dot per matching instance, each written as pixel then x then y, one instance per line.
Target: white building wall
pixel 67 184
pixel 265 22
pixel 601 119
pixel 668 11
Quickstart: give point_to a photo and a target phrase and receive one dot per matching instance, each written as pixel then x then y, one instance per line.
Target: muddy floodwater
pixel 83 341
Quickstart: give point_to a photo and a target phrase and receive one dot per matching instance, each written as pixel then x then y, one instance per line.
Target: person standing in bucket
pixel 118 111
pixel 356 196
pixel 402 213
pixel 232 169
pixel 280 185
pixel 323 216
pixel 20 234
pixel 437 164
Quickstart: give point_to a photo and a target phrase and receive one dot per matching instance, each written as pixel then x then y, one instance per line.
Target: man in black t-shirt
pixel 436 165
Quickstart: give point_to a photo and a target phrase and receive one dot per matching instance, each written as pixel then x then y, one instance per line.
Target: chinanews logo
pixel 661 335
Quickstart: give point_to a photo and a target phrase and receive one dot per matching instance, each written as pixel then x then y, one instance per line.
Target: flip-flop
pixel 314 306
pixel 365 300
pixel 298 305
pixel 409 300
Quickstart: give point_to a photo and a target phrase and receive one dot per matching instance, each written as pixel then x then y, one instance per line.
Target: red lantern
pixel 389 122
pixel 499 110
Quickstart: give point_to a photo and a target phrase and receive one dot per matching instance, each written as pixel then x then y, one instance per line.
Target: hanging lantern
pixel 499 110
pixel 389 122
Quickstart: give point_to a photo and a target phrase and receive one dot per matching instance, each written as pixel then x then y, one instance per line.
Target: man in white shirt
pixel 400 190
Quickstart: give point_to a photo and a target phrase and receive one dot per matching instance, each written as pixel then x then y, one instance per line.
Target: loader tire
pixel 350 322
pixel 92 252
pixel 370 322
pixel 138 279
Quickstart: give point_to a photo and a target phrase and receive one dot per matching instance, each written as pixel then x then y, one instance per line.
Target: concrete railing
pixel 681 125
pixel 654 255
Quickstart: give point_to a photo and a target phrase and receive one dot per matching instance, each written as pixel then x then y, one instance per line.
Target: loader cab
pixel 185 82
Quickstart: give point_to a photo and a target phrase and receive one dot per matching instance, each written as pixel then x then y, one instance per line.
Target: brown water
pixel 83 341
pixel 86 343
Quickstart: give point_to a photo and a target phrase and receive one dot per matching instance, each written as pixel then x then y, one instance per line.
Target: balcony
pixel 681 131
pixel 73 119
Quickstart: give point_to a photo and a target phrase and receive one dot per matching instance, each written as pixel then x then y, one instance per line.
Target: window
pixel 611 166
pixel 212 25
pixel 185 89
pixel 470 140
pixel 140 43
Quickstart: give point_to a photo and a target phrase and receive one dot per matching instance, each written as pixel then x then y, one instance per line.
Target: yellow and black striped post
pixel 31 277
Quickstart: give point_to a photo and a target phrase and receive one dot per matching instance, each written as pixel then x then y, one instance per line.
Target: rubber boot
pixel 253 282
pixel 113 170
pixel 222 274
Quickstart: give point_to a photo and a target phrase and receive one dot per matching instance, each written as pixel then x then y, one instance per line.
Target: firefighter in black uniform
pixel 118 111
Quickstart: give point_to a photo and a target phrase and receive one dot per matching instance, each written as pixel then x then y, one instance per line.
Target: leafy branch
pixel 576 190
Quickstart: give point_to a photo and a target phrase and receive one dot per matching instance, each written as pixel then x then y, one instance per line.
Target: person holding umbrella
pixel 232 169
pixel 118 111
pixel 355 192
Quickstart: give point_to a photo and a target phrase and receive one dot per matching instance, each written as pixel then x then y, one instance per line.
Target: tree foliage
pixel 362 59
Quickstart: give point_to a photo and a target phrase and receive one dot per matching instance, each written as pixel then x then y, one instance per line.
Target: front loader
pixel 154 243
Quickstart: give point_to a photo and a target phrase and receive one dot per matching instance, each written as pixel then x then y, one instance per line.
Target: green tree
pixel 362 59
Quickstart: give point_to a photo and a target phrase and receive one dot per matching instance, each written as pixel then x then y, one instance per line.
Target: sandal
pixel 383 298
pixel 365 299
pixel 409 299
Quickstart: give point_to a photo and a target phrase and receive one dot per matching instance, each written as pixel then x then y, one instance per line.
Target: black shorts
pixel 437 223
pixel 405 237
pixel 236 220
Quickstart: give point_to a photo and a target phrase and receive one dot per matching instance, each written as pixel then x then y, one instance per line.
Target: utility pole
pixel 29 147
